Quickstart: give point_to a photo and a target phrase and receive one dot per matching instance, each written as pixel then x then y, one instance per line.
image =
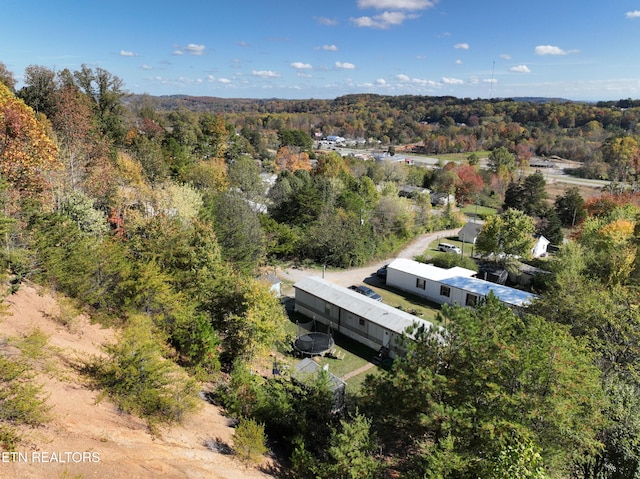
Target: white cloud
pixel 397 4
pixel 146 67
pixel 461 46
pixel 383 21
pixel 226 81
pixel 633 14
pixel 265 74
pixel 211 78
pixel 194 49
pixel 489 80
pixel 415 81
pixel 520 69
pixel 330 48
pixel 178 52
pixel 452 81
pixel 381 82
pixel 301 66
pixel 552 50
pixel 242 43
pixel 329 22
pixel 458 62
pixel 345 66
pixel 505 56
pixel 124 53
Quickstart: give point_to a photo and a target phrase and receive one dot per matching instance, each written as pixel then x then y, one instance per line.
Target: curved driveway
pixel 347 277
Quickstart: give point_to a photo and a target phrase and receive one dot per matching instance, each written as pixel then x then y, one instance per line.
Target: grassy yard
pixel 354 355
pixel 479 211
pixel 433 251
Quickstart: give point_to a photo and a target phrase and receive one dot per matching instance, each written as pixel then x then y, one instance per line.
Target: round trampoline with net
pixel 311 342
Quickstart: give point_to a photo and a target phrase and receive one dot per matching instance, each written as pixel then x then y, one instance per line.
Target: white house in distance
pixel 469 232
pixel 451 286
pixel 356 316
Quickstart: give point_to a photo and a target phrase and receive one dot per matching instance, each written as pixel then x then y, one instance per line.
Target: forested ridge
pixel 160 214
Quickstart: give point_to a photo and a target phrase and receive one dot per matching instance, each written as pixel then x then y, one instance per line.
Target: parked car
pixel 449 248
pixel 382 272
pixel 368 292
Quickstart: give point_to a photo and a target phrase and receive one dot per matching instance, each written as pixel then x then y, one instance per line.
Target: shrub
pixel 249 441
pixel 140 381
pixel 21 399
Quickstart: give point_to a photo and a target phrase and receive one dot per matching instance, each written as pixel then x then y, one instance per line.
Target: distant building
pixel 469 232
pixel 540 247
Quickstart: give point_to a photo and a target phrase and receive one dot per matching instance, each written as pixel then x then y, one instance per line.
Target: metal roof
pixel 462 278
pixel 428 271
pixel 374 311
pixel 512 296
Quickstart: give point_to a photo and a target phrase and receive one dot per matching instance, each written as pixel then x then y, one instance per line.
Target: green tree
pixel 105 91
pixel 570 207
pixel 244 174
pixel 352 450
pixel 528 195
pixel 623 156
pixel 238 230
pixel 39 89
pixel 460 395
pixel 296 138
pixel 549 226
pixel 249 441
pixel 507 235
pixel 139 380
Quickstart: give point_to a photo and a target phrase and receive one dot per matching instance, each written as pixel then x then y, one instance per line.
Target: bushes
pixel 21 400
pixel 249 441
pixel 140 381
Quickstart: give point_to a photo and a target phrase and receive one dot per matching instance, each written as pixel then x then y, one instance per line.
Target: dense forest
pixel 159 214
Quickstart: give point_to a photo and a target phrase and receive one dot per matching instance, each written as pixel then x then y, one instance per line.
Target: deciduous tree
pixel 27 152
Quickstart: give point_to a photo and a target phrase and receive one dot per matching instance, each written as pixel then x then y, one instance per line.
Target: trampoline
pixel 314 344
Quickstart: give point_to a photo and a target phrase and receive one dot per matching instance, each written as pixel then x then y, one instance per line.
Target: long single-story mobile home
pixel 358 317
pixel 451 286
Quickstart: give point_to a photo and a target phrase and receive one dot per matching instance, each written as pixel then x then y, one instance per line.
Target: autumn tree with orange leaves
pixel 27 151
pixel 290 158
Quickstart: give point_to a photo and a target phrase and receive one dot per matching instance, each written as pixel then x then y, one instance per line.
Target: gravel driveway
pixel 358 275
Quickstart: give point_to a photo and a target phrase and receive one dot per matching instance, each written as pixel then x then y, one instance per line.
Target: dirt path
pixel 355 372
pixel 357 275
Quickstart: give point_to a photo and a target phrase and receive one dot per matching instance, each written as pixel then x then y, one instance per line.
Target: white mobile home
pixel 451 286
pixel 358 317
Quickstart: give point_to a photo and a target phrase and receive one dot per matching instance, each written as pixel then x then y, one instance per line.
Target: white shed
pixel 540 247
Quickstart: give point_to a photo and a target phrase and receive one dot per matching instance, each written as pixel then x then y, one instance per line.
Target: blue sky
pixel 575 49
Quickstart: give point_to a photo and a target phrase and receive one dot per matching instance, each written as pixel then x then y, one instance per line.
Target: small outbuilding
pixel 307 371
pixel 469 233
pixel 540 247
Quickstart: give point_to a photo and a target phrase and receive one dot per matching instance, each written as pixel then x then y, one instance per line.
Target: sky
pixel 582 50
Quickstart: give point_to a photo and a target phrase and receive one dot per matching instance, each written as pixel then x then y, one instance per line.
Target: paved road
pixel 358 275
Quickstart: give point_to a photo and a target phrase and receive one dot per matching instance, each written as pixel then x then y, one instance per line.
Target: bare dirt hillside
pixel 89 439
